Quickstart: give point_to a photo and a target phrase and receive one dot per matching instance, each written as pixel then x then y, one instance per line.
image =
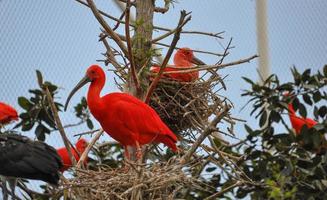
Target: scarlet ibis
pixel 298 122
pixel 124 117
pixel 183 58
pixel 21 157
pixel 7 114
pixel 63 153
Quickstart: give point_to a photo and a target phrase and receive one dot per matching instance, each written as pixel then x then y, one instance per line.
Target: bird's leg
pixel 12 184
pixel 4 188
pixel 138 151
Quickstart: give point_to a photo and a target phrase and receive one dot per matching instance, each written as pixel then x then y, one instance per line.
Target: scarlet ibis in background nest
pixel 63 153
pixel 21 157
pixel 7 114
pixel 183 58
pixel 298 122
pixel 124 117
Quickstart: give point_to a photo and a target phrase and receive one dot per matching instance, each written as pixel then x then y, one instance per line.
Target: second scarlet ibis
pixel 298 122
pixel 183 58
pixel 124 117
pixel 7 114
pixel 63 153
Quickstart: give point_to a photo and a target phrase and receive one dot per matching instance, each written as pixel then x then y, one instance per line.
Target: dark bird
pixel 21 157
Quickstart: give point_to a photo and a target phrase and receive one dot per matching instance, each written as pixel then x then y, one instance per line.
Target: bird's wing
pixel 21 157
pixel 140 115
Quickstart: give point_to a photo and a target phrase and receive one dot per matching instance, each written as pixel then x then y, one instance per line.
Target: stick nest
pixel 186 107
pixel 157 181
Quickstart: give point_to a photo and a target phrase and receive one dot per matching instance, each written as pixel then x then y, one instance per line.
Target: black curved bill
pixel 197 61
pixel 80 84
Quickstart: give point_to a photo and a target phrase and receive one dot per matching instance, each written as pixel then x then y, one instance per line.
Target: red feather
pixel 7 113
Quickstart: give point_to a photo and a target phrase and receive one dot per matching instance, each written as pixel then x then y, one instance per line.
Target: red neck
pixel 93 95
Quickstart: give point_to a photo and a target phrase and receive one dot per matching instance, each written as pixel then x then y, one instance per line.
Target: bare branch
pixel 129 47
pixel 181 23
pixel 88 148
pixel 209 129
pixel 59 124
pixel 106 27
pixel 214 196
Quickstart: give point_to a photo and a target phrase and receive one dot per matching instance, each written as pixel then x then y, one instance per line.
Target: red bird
pixel 7 113
pixel 63 153
pixel 183 58
pixel 124 117
pixel 299 122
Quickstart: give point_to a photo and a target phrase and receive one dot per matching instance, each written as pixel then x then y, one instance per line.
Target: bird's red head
pixel 187 55
pixel 81 145
pixel 7 113
pixel 94 72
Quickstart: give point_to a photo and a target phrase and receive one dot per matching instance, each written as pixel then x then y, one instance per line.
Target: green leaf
pixel 325 71
pixel 89 124
pixel 28 125
pixel 307 99
pixel 39 132
pixel 39 78
pixel 24 103
pixel 211 169
pixel 322 111
pixel 248 80
pixel 302 110
pixel 316 96
pixel 263 118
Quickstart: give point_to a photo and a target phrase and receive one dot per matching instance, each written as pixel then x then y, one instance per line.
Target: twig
pixel 216 35
pixel 129 47
pixel 208 67
pixel 59 124
pixel 214 196
pixel 181 23
pixel 194 50
pixel 209 129
pixel 88 148
pixel 106 27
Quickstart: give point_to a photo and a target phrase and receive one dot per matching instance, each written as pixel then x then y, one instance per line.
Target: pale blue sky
pixel 60 38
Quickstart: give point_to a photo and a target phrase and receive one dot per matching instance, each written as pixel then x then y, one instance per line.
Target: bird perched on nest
pixel 184 58
pixel 21 157
pixel 7 114
pixel 124 117
pixel 63 153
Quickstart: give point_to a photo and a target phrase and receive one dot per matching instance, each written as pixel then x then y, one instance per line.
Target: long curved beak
pixel 197 61
pixel 80 84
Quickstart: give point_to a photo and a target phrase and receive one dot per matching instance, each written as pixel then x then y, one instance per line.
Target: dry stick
pixel 209 129
pixel 216 35
pixel 59 124
pixel 214 196
pixel 181 23
pixel 194 50
pixel 208 67
pixel 88 148
pixel 106 27
pixel 156 9
pixel 129 47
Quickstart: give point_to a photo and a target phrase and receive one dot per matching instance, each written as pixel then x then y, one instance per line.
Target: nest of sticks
pixel 155 181
pixel 186 106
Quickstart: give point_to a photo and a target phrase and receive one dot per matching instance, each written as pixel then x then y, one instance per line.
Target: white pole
pixel 262 39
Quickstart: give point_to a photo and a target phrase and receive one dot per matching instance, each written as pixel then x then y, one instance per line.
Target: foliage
pixel 288 166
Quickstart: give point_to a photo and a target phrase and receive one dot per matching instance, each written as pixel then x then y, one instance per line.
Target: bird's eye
pixel 92 72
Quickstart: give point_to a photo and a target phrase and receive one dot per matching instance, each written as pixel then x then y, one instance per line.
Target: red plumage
pixel 183 58
pixel 63 153
pixel 299 122
pixel 124 117
pixel 7 113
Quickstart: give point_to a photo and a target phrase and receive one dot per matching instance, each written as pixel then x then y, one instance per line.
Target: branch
pixel 129 46
pixel 88 148
pixel 216 35
pixel 106 27
pixel 194 50
pixel 208 67
pixel 59 124
pixel 209 129
pixel 223 191
pixel 181 23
